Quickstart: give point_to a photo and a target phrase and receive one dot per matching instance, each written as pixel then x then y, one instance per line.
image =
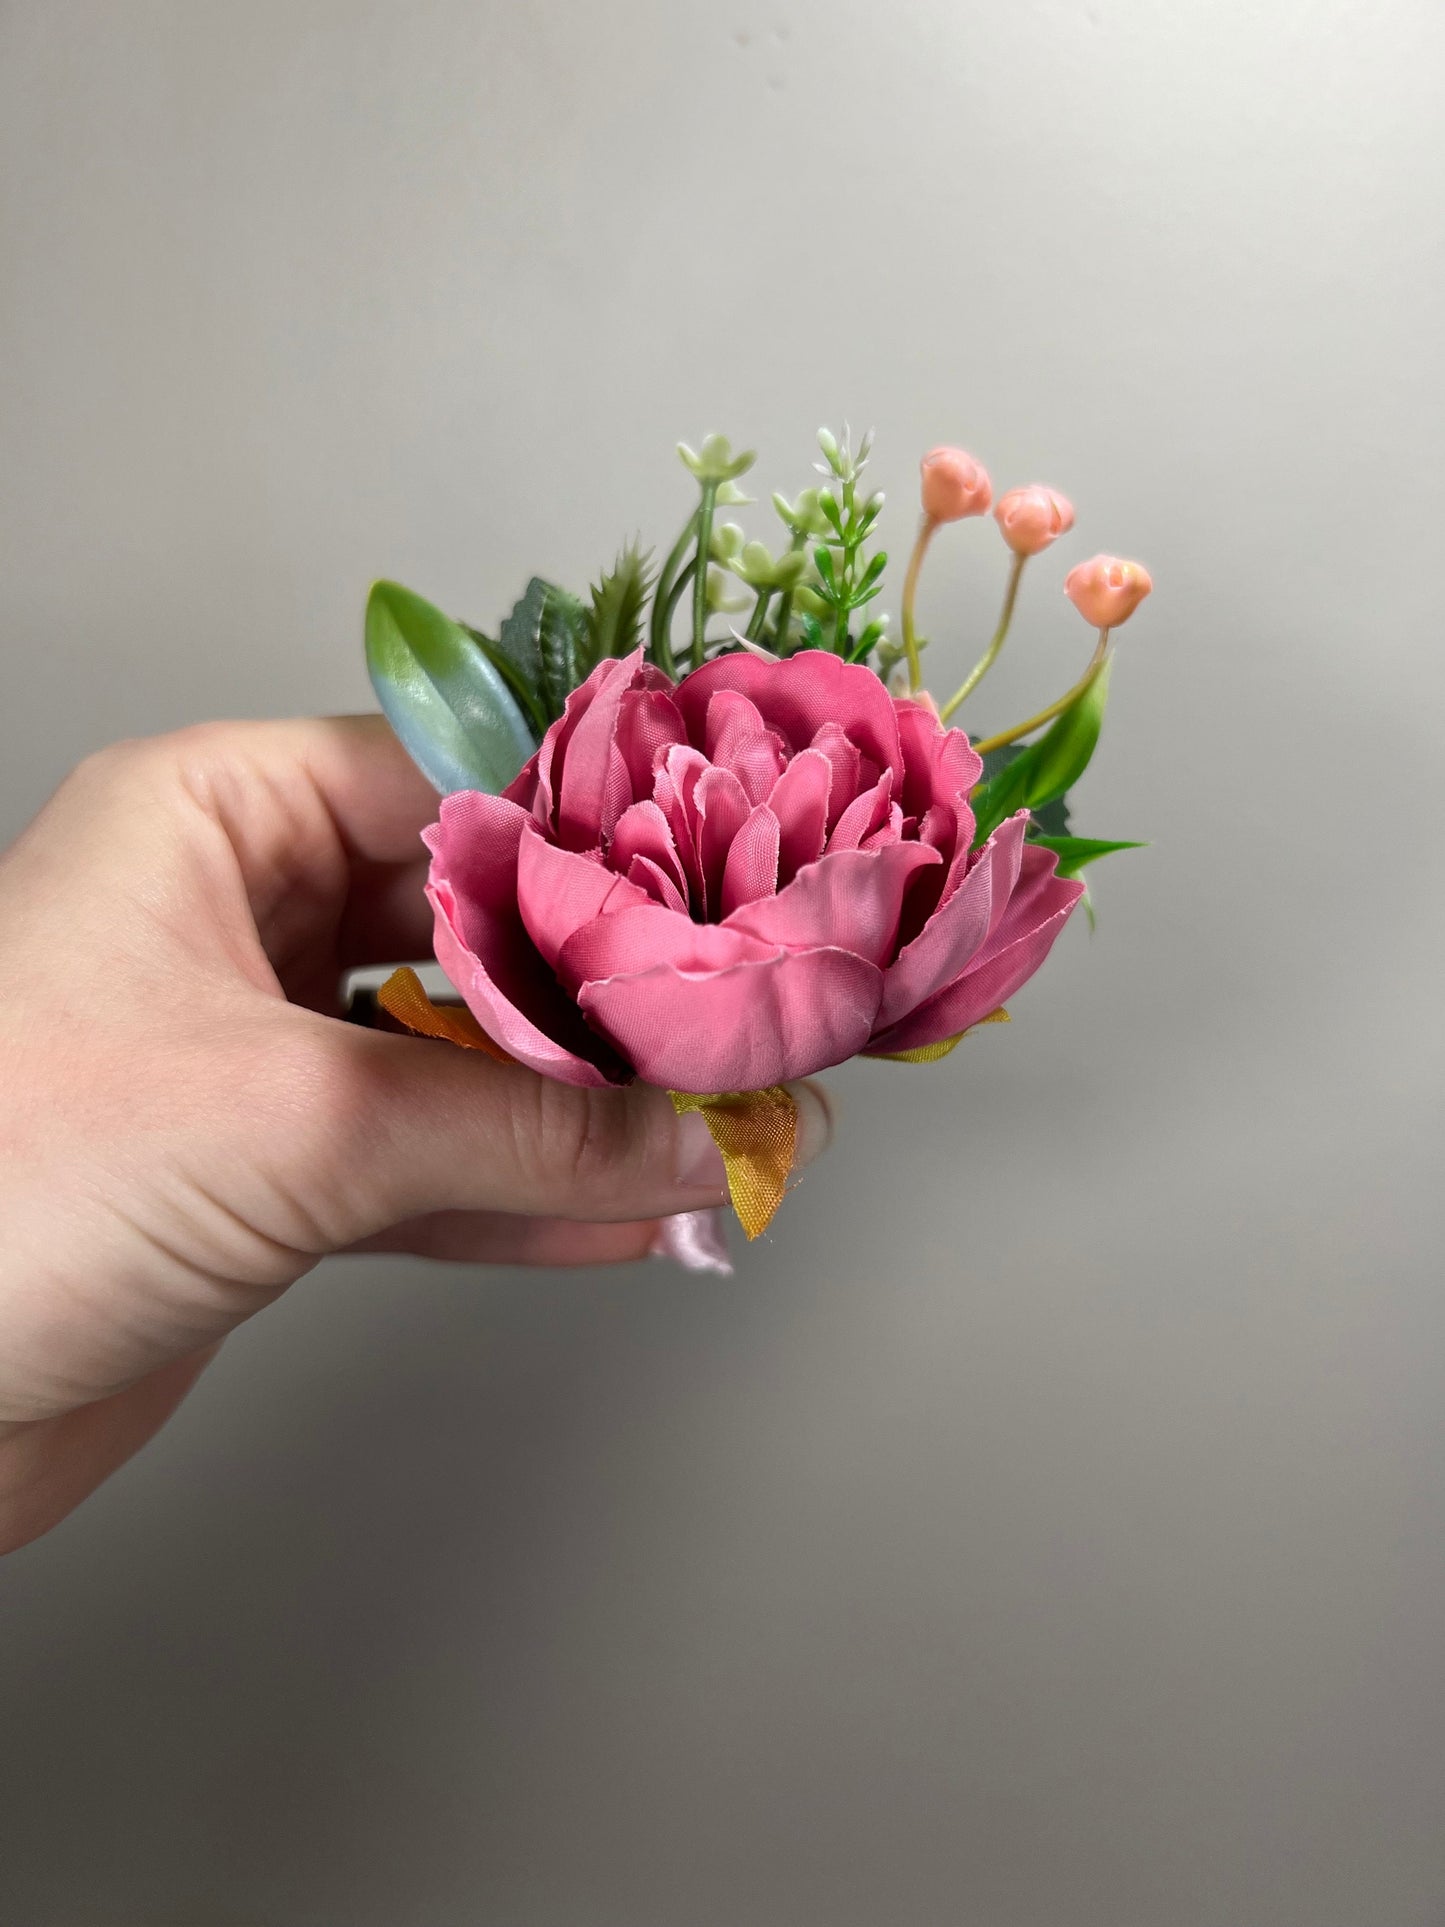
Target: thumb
pixel 424 1127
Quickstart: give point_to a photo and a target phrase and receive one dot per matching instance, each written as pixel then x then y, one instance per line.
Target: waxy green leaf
pixel 444 698
pixel 1074 852
pixel 1048 769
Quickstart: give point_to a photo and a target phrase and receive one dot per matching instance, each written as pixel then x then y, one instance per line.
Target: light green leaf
pixel 439 691
pixel 619 602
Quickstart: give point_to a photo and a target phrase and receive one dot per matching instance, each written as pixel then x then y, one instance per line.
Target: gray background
pixel 1045 1526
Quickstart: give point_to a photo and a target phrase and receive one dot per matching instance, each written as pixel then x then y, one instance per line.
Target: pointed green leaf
pixel 619 602
pixel 1043 773
pixel 543 640
pixel 440 693
pixel 1074 852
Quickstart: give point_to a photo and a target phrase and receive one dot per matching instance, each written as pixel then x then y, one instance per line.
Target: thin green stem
pixel 674 596
pixel 990 655
pixel 780 627
pixel 699 580
pixel 1080 688
pixel 910 590
pixel 664 601
pixel 754 629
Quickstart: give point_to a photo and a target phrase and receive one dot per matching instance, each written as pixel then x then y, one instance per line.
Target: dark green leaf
pixel 564 646
pixel 619 601
pixel 442 695
pixel 824 560
pixel 543 639
pixel 519 640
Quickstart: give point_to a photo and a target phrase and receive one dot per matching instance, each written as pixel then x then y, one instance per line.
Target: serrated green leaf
pixel 1074 852
pixel 564 646
pixel 442 695
pixel 543 640
pixel 619 603
pixel 519 639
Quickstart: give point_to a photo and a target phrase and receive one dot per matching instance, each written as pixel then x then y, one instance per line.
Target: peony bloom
pixel 953 485
pixel 736 880
pixel 1107 591
pixel 1031 518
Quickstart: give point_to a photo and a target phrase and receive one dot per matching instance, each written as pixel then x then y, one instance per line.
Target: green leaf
pixel 564 646
pixel 527 700
pixel 1042 774
pixel 1062 753
pixel 442 695
pixel 1074 852
pixel 544 642
pixel 619 602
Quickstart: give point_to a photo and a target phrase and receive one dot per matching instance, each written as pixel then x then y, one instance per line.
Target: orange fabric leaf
pixel 757 1133
pixel 403 997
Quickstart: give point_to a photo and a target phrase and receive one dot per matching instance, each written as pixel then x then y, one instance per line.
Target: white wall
pixel 1046 1524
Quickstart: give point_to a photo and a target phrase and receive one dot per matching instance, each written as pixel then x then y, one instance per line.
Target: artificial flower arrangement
pixel 708 829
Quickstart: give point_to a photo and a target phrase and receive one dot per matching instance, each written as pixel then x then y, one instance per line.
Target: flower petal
pixel 648 724
pixel 959 928
pixel 939 764
pixel 739 740
pixel 797 697
pixel 722 809
pixel 588 785
pixel 799 800
pixel 741 1028
pixel 657 884
pixel 642 830
pixel 483 946
pixel 990 979
pixel 641 935
pixel 560 890
pixel 849 901
pixel 865 814
pixel 751 870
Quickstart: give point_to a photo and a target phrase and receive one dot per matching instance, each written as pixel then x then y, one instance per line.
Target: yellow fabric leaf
pixel 930 1053
pixel 403 997
pixel 757 1133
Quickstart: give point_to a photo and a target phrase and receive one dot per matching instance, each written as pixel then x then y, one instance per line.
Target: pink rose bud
pixel 1031 518
pixel 954 485
pixel 1106 591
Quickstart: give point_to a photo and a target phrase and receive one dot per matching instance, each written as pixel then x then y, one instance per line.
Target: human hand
pixel 187 1129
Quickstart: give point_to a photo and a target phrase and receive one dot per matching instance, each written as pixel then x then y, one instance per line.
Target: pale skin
pixel 186 1127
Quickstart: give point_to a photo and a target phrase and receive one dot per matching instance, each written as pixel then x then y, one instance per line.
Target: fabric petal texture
pixel 730 882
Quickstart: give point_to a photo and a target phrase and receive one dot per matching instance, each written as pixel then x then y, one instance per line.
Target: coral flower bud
pixel 954 485
pixel 1031 518
pixel 1106 591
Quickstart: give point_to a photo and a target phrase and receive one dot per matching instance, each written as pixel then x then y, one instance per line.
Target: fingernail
pixel 815 1121
pixel 699 1161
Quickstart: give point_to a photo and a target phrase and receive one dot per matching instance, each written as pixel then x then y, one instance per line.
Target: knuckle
pixel 585 1138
